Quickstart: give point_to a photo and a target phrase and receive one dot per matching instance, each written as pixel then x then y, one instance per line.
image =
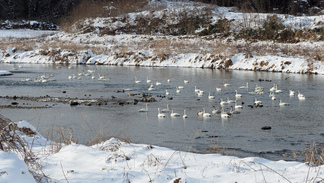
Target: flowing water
pixel 293 127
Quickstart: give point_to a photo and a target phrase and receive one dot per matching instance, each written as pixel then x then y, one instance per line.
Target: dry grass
pixel 25 44
pixel 217 148
pixel 314 155
pixel 101 8
pixel 163 46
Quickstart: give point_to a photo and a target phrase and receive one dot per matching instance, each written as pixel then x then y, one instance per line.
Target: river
pixel 293 127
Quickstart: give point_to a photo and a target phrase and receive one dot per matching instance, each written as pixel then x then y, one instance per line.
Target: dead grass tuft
pixel 217 148
pixel 314 155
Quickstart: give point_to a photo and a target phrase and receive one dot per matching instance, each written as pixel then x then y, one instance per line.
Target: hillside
pixel 167 33
pixel 53 11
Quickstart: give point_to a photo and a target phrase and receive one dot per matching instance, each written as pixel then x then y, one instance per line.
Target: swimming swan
pixel 167 92
pixel 245 87
pixel 206 115
pixel 224 114
pixel 283 103
pixel 300 96
pixel 160 115
pixel 148 80
pixel 215 111
pixel 185 114
pixel 210 96
pixel 167 109
pixel 144 109
pixel 137 81
pixel 237 95
pixel 236 106
pixel 173 114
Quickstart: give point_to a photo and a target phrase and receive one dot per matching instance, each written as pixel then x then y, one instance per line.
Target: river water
pixel 293 127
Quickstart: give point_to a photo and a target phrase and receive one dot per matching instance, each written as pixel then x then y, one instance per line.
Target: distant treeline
pixel 53 10
pixel 45 10
pixel 295 7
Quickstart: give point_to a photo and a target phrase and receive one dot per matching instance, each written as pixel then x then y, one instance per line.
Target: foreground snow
pixel 116 161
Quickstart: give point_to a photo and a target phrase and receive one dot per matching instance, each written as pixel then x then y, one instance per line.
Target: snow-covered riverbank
pixel 144 58
pixel 117 161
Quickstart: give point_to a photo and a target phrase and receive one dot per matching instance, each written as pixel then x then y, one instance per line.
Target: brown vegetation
pixel 101 8
pixel 314 155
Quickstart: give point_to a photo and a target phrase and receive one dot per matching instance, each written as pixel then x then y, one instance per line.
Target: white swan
pixel 253 93
pixel 272 95
pixel 257 102
pixel 236 106
pixel 200 93
pixel 151 88
pixel 25 80
pixel 144 109
pixel 200 113
pixel 158 83
pixel 218 89
pixel 258 88
pixel 215 111
pixel 186 81
pixel 210 96
pixel 224 114
pixel 185 114
pixel 91 71
pixel 230 101
pixel 222 102
pixel 291 93
pixel 101 78
pixel 148 80
pixel 160 115
pixel 273 89
pixel 277 91
pixel 300 96
pixel 245 87
pixel 180 87
pixel 178 90
pixel 234 111
pixel 206 115
pixel 73 76
pixel 283 103
pixel 137 81
pixel 174 114
pixel 167 92
pixel 169 80
pixel 227 84
pixel 237 95
pixel 81 73
pixel 167 109
pixel 196 89
pixel 86 73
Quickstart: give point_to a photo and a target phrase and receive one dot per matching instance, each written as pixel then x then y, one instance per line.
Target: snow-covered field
pixel 23 33
pixel 117 161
